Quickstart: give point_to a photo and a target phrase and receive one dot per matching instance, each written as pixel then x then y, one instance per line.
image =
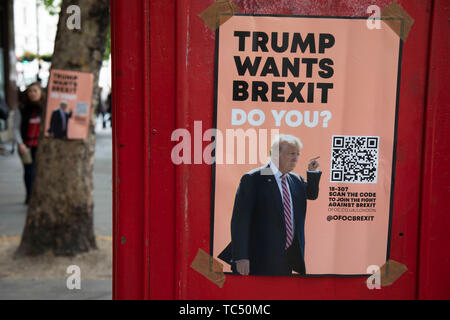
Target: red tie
pixel 287 212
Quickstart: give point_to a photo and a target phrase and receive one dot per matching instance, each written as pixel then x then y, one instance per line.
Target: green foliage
pixel 108 44
pixel 53 7
pixel 30 56
pixel 27 56
pixel 46 57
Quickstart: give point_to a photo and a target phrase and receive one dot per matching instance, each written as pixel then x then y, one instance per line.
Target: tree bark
pixel 60 213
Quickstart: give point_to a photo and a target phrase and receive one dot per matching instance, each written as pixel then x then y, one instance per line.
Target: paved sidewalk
pixel 12 218
pixel 54 289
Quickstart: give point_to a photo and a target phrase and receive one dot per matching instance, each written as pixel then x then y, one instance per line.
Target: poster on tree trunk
pixel 69 100
pixel 306 109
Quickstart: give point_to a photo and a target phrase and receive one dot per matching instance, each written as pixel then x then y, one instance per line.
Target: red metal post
pixel 143 46
pixel 128 142
pixel 434 260
pixel 161 104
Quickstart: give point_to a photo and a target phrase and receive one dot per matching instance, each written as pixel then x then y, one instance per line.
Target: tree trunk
pixel 60 213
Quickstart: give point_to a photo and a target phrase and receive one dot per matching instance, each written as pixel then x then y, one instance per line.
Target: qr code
pixel 354 159
pixel 81 108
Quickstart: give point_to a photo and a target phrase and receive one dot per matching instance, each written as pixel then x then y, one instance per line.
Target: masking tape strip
pixel 209 267
pixel 391 14
pixel 218 13
pixel 391 271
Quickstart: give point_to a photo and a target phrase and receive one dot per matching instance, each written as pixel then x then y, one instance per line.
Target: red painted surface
pixel 162 107
pixel 163 79
pixel 434 259
pixel 143 174
pixel 128 142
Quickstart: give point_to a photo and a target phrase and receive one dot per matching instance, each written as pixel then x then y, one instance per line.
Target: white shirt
pixel 63 117
pixel 277 174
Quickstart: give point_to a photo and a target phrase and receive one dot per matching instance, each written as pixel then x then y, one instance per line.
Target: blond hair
pixel 282 139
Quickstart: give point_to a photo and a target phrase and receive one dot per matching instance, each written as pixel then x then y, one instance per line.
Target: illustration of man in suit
pixel 268 221
pixel 59 121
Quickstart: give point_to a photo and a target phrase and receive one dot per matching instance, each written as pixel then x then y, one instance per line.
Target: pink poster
pixel 69 99
pixel 332 83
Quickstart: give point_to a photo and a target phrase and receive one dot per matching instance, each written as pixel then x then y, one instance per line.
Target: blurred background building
pixel 35 30
pixel 8 88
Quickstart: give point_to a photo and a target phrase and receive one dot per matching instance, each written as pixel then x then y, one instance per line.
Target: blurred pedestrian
pixel 26 132
pixel 4 109
pixel 102 108
pixel 109 108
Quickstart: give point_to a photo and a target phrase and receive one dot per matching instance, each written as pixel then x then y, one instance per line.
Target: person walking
pixel 26 132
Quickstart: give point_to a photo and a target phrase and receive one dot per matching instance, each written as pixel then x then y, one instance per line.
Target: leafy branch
pixel 53 7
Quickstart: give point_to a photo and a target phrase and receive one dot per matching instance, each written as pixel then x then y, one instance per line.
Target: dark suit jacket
pixel 56 124
pixel 258 229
